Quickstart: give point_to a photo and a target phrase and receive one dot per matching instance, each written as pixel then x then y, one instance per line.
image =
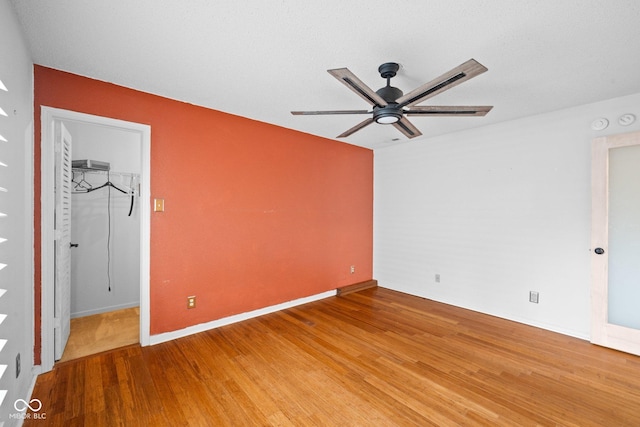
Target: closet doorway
pixel 105 239
pixel 109 267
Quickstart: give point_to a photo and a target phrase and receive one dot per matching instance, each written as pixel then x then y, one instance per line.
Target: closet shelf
pixel 101 172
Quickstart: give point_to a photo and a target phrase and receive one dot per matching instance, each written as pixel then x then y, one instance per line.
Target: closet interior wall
pixel 105 266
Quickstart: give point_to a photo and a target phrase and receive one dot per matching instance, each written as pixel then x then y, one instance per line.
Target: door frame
pixel 602 332
pixel 48 115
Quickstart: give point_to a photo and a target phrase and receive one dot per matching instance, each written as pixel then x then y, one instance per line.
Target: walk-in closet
pixel 105 239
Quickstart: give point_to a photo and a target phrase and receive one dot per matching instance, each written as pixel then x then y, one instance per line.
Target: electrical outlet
pixel 533 297
pixel 352 269
pixel 18 365
pixel 191 301
pixel 437 278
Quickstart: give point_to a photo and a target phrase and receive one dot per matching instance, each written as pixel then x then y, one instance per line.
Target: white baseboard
pixel 168 336
pixel 105 309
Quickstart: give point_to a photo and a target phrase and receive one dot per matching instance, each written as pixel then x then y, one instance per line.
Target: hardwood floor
pixel 101 332
pixel 375 357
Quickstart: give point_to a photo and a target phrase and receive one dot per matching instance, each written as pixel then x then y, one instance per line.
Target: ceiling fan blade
pixel 435 110
pixel 461 73
pixel 356 128
pixel 355 84
pixel 407 128
pixel 316 113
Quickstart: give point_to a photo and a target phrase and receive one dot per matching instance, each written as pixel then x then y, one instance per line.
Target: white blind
pixel 4 189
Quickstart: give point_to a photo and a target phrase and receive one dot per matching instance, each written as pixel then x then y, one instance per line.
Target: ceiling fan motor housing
pixel 389 94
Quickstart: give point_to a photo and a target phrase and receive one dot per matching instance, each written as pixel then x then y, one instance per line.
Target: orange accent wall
pixel 255 214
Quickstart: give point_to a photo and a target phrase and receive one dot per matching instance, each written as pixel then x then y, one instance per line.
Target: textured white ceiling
pixel 263 58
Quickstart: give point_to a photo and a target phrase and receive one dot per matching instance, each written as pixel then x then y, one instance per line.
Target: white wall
pixel 16 72
pixel 90 218
pixel 497 211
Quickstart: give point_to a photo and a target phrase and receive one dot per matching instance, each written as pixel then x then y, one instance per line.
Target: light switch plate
pixel 158 205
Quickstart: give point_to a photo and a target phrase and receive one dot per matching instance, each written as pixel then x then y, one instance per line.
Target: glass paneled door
pixel 615 239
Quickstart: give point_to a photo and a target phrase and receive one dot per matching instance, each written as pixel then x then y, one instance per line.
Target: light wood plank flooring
pixel 101 332
pixel 371 358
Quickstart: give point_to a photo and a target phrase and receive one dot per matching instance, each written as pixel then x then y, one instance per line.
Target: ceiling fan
pixel 391 106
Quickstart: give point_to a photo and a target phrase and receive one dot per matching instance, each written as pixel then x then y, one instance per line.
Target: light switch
pixel 158 205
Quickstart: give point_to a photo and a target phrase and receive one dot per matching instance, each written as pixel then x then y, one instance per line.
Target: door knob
pixel 599 251
pixel 73 245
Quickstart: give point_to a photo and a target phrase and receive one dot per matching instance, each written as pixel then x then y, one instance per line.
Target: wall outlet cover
pixel 533 297
pixel 191 302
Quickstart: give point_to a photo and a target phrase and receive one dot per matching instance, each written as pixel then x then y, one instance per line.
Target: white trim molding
pixel 190 330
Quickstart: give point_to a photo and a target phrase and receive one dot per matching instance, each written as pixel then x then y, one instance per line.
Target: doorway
pixel 100 286
pixel 105 239
pixel 615 317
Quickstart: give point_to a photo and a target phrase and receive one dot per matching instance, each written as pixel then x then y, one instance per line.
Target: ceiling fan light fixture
pixel 387 119
pixel 387 115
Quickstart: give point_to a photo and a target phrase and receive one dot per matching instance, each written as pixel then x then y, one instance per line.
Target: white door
pixel 615 240
pixel 62 285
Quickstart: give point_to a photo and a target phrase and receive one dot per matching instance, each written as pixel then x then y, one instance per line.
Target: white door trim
pixel 48 115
